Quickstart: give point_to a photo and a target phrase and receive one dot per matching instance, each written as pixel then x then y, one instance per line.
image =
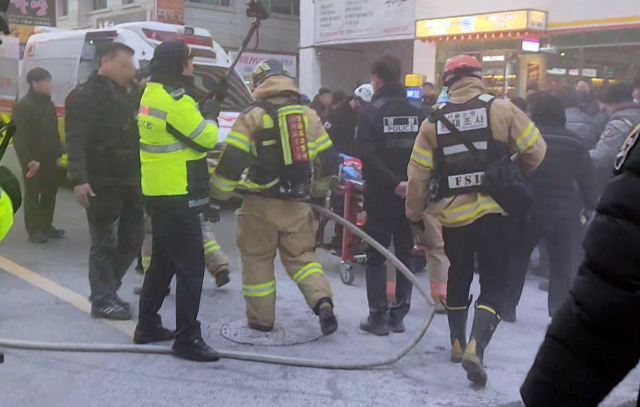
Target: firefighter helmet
pixel 460 66
pixel 267 69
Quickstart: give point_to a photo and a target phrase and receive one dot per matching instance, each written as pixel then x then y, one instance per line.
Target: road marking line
pixel 61 292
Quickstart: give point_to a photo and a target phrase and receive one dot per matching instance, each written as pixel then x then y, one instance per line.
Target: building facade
pixel 225 19
pixel 520 42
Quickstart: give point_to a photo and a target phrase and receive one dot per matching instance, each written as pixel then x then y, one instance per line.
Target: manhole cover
pixel 286 332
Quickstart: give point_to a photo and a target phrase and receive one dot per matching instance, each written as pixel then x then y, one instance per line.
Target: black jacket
pixel 387 129
pixel 341 126
pixel 37 136
pixel 102 134
pixel 565 179
pixel 594 339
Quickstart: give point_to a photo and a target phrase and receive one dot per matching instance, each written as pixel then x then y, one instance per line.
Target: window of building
pixel 223 3
pixel 125 2
pixel 288 7
pixel 99 4
pixel 63 8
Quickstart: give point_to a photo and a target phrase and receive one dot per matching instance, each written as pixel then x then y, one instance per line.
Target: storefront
pixel 507 44
pixel 603 56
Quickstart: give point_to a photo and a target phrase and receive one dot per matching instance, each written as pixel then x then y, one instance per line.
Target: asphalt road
pixel 424 378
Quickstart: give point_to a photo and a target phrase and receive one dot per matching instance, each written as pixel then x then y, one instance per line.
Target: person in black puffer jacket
pixel 562 186
pixel 594 339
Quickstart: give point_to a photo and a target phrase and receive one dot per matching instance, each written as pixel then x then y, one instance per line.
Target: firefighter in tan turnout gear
pixel 289 155
pixel 461 141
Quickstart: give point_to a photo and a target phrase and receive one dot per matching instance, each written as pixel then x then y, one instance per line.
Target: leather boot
pixel 376 323
pixel 328 320
pixel 485 322
pixel 457 317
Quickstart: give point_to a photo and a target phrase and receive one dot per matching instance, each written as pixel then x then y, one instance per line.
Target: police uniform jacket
pixel 508 124
pixel 386 132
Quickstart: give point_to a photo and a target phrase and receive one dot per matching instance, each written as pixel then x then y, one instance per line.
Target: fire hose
pixel 256 357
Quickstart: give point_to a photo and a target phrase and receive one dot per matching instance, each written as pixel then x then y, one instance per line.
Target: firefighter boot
pixel 328 321
pixel 458 327
pixel 485 323
pixel 217 265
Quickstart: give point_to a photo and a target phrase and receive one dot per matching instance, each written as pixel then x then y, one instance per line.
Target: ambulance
pixel 71 56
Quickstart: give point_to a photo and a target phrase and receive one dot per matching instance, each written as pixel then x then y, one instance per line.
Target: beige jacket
pixel 508 124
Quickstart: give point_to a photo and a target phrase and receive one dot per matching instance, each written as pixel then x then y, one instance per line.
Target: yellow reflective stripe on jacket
pixel 238 140
pixel 527 138
pixel 422 157
pixel 6 214
pixel 248 184
pixel 323 143
pixel 306 271
pixel 222 183
pixel 211 246
pixel 463 213
pixel 259 290
pixel 267 122
pixel 153 112
pixel 165 148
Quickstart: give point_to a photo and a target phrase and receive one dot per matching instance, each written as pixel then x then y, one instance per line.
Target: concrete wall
pixel 229 25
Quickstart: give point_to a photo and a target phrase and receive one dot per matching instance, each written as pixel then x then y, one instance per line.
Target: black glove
pixel 211 212
pixel 210 109
pixel 418 231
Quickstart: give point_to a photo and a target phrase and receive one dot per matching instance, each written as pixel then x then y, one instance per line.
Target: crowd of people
pixel 475 184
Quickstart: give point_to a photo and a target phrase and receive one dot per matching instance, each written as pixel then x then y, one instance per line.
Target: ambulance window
pixel 238 96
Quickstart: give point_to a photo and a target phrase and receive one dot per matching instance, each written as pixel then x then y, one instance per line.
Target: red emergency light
pixel 158 35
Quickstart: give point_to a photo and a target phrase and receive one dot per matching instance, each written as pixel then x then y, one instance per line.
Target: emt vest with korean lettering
pixel 460 170
pixel 284 168
pixel 174 139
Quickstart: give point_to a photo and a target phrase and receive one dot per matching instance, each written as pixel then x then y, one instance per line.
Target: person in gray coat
pixel 625 115
pixel 584 117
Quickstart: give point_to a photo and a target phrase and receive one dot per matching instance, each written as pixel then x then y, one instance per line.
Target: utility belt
pixel 284 168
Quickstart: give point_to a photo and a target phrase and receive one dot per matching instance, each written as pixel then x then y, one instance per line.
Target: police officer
pixel 282 143
pixel 174 138
pixel 474 224
pixel 386 131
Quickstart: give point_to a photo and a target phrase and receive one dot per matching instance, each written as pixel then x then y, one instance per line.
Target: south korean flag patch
pixel 626 148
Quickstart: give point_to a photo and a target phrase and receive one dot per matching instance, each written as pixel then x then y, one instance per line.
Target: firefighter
pixel 175 136
pixel 473 223
pixel 282 143
pixel 387 129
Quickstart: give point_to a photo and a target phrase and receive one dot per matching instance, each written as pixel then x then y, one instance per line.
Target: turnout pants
pixel 177 250
pixel 264 227
pixel 116 226
pixel 39 205
pixel 385 228
pixel 487 238
pixel 560 233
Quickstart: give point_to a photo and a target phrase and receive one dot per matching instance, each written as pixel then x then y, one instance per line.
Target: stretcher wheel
pixel 346 273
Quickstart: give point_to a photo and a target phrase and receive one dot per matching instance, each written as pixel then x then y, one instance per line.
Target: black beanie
pixel 169 58
pixel 548 110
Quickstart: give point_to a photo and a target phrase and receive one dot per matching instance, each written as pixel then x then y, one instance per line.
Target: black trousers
pixel 395 227
pixel 487 238
pixel 178 250
pixel 116 226
pixel 39 205
pixel 561 235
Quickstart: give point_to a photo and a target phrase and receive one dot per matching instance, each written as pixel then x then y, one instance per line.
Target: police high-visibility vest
pixel 174 138
pixel 6 214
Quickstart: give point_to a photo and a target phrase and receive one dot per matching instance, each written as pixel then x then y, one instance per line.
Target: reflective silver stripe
pixel 198 130
pixel 153 112
pixel 461 148
pixel 167 148
pixel 194 203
